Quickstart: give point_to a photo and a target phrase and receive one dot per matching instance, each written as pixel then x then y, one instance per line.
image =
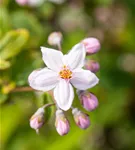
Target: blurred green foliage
pixel 24 29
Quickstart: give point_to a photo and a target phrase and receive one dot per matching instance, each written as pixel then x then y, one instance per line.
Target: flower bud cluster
pixel 87 99
pixel 62 124
pixel 92 46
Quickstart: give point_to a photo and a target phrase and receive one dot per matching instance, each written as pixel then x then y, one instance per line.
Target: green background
pixel 24 29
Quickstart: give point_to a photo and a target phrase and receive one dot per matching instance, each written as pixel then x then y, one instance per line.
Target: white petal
pixel 83 79
pixel 52 58
pixel 44 79
pixel 64 94
pixel 75 58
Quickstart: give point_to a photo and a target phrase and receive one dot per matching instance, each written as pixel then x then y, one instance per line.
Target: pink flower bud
pixel 81 119
pixel 88 100
pixel 92 65
pixel 55 38
pixel 61 123
pixel 37 120
pixel 92 45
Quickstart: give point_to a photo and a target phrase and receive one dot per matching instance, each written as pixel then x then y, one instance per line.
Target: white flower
pixel 61 73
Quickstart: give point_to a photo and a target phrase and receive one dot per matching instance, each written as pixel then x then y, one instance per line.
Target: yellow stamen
pixel 65 73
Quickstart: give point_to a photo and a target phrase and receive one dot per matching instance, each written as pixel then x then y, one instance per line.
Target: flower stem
pixel 29 89
pixel 37 131
pixel 72 107
pixel 59 46
pixel 22 89
pixel 48 105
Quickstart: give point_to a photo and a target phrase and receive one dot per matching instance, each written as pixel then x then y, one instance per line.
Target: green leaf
pixel 22 19
pixel 4 21
pixel 3 97
pixel 11 117
pixel 21 74
pixel 47 10
pixel 13 42
pixel 9 37
pixel 4 64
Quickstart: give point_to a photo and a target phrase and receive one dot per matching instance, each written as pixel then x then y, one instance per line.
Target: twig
pixel 59 47
pixel 22 89
pixel 48 105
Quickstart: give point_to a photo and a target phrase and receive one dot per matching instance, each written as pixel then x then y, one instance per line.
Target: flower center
pixel 65 73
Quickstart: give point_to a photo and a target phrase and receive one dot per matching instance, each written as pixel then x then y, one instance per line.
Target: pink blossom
pixel 37 120
pixel 92 45
pixel 92 65
pixel 62 124
pixel 88 100
pixel 81 119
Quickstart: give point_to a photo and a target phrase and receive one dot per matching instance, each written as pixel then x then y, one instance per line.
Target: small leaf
pixel 13 43
pixel 9 37
pixel 8 88
pixel 4 64
pixel 4 21
pixel 22 19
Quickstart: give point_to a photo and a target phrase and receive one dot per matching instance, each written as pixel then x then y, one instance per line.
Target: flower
pixel 92 65
pixel 92 45
pixel 88 100
pixel 61 73
pixel 37 120
pixel 61 123
pixel 81 119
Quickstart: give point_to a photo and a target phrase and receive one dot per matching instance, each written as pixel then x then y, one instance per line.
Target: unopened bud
pixel 92 65
pixel 37 120
pixel 88 100
pixel 81 119
pixel 92 45
pixel 55 38
pixel 61 123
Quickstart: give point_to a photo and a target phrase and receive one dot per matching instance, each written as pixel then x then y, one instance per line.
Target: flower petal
pixel 83 79
pixel 75 58
pixel 52 58
pixel 64 94
pixel 44 79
